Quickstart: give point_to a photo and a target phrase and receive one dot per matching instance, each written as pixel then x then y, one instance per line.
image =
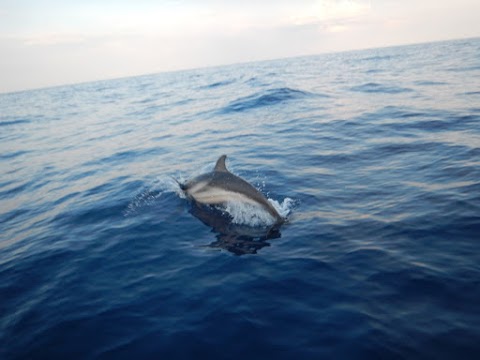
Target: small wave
pixel 252 79
pixel 428 123
pixel 14 122
pixel 377 58
pixel 400 149
pixel 13 155
pixel 379 88
pixel 430 83
pixel 18 189
pixel 127 156
pixel 217 84
pixel 464 69
pixel 397 112
pixel 265 98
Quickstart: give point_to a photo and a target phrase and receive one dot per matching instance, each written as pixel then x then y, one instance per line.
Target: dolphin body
pixel 220 186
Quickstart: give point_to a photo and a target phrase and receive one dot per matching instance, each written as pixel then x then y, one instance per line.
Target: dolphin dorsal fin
pixel 220 165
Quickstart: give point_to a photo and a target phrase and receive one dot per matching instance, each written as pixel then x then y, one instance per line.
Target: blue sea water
pixel 374 155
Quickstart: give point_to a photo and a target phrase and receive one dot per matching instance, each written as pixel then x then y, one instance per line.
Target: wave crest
pixel 265 98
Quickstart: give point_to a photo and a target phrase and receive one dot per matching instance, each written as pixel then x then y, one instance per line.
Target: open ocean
pixel 373 154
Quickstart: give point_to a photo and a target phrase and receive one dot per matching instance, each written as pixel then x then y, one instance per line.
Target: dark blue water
pixel 374 154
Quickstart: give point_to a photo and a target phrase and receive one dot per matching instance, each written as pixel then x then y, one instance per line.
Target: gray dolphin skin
pixel 220 186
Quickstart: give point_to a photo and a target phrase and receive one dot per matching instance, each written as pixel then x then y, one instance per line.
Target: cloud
pixel 334 16
pixel 70 22
pixel 330 11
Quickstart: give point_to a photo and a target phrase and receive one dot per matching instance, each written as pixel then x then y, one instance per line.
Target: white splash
pixel 255 216
pixel 284 208
pixel 150 196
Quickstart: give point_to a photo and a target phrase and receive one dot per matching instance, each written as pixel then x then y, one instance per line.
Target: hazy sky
pixel 52 42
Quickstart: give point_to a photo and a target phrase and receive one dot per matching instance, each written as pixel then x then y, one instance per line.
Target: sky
pixel 53 42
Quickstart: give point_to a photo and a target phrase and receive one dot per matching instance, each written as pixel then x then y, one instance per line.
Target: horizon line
pixel 232 64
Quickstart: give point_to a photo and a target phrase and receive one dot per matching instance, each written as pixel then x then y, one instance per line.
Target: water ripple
pixel 14 122
pixel 380 88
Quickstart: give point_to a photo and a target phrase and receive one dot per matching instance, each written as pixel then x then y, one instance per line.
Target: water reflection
pixel 238 239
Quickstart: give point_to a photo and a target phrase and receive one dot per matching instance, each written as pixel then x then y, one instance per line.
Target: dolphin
pixel 220 186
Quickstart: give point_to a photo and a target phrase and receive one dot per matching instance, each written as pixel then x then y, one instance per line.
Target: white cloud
pixel 332 10
pixel 334 16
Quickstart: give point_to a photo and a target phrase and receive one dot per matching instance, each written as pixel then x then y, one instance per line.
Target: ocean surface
pixel 373 156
